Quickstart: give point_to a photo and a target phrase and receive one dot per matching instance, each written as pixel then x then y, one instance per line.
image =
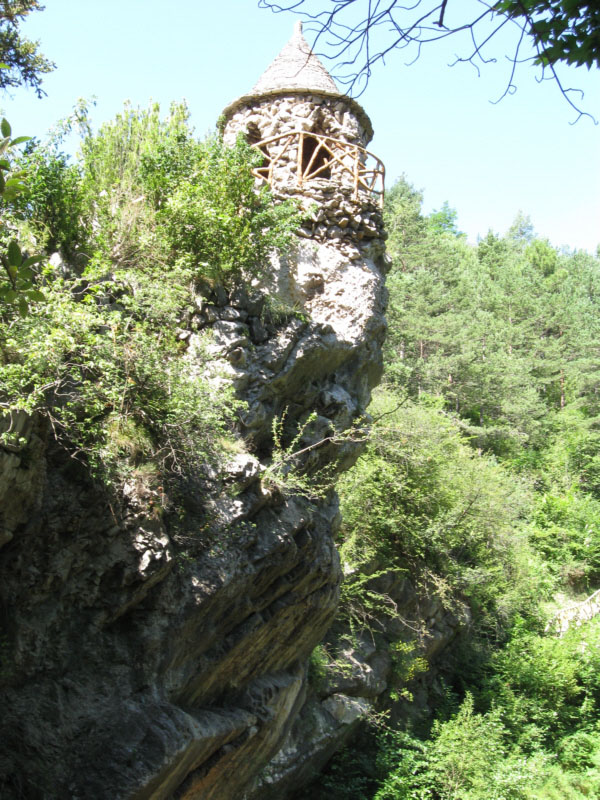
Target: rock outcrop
pixel 384 663
pixel 137 663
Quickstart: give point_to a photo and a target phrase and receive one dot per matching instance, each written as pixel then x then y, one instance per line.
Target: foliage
pixel 217 223
pixel 53 201
pixel 506 336
pixel 566 530
pixel 317 666
pixel 480 484
pixel 406 665
pixel 127 170
pixel 466 758
pixel 537 739
pixel 506 332
pixel 110 379
pixel 290 468
pixel 147 195
pixel 547 687
pixel 420 500
pixel 23 63
pixel 444 220
pixel 102 359
pixel 561 30
pixel 17 280
pixel 156 195
pixel 405 225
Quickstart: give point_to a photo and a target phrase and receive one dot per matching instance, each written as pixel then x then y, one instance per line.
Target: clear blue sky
pixel 434 123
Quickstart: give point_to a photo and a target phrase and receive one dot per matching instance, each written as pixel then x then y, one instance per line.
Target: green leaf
pixel 36 295
pixel 33 260
pixel 5 127
pixel 23 306
pixel 12 187
pixel 14 254
pixel 20 140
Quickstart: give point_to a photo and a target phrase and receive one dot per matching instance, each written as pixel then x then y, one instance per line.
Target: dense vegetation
pixel 143 223
pixel 482 481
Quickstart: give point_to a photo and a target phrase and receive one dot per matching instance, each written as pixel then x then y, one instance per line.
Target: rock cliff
pixel 146 653
pixel 140 661
pixel 381 661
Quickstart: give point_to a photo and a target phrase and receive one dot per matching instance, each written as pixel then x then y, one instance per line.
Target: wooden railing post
pixel 300 154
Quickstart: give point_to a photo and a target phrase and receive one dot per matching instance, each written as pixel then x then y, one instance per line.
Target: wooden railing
pixel 321 156
pixel 575 614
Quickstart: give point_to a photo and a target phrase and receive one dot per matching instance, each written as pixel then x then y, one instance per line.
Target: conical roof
pixel 296 67
pixel 297 70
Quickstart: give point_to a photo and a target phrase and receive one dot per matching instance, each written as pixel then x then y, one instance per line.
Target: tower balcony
pixel 299 157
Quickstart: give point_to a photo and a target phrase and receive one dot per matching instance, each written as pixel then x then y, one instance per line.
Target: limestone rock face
pixel 139 662
pixel 358 679
pixel 321 728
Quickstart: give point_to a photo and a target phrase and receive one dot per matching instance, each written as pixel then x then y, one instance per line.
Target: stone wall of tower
pixel 301 112
pixel 333 213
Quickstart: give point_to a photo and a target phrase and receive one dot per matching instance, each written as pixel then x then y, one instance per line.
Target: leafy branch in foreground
pixel 17 280
pixel 287 468
pixel 294 465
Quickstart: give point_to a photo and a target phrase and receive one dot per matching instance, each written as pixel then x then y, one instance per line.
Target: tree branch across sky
pixel 357 34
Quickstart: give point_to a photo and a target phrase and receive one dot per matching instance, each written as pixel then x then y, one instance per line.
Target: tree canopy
pixel 23 63
pixel 479 485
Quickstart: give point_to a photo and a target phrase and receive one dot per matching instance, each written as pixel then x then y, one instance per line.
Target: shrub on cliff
pixel 108 375
pixel 146 193
pixel 216 223
pixel 146 215
pixel 421 499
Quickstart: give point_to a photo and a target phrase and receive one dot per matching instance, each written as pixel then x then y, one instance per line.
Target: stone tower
pixel 312 137
pixel 313 140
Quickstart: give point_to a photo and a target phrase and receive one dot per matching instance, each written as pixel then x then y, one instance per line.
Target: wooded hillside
pixel 482 482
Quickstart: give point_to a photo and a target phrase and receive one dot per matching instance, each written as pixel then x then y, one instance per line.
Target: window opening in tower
pixel 319 164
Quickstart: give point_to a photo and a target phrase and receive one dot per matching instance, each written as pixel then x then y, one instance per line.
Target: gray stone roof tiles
pixel 296 67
